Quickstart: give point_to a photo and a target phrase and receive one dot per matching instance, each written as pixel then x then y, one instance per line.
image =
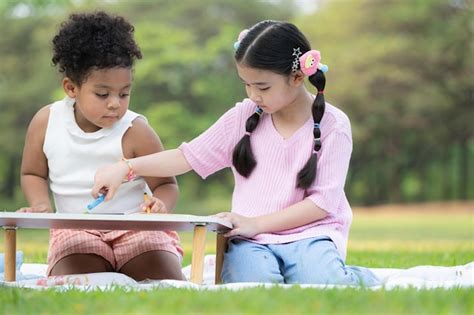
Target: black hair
pixel 90 41
pixel 269 45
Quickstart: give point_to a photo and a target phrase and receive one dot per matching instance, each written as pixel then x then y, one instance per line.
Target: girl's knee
pixel 249 262
pixel 248 272
pixel 320 264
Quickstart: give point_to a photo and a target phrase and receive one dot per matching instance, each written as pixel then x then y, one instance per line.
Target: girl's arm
pixel 332 171
pixel 170 162
pixel 162 164
pixel 34 165
pixel 141 140
pixel 299 214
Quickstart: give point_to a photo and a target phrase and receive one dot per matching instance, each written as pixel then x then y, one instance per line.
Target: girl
pixel 69 139
pixel 289 152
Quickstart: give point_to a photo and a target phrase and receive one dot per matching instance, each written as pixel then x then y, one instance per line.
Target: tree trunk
pixel 422 176
pixel 463 169
pixel 445 171
pixel 11 180
pixel 394 179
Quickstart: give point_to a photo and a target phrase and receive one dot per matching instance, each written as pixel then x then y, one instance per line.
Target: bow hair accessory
pixel 310 63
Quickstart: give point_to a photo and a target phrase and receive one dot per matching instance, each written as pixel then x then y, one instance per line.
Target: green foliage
pixel 402 71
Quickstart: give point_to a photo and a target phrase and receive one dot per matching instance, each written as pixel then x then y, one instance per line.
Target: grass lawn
pixel 400 237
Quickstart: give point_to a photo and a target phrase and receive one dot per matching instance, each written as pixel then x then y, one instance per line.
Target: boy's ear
pixel 297 78
pixel 69 87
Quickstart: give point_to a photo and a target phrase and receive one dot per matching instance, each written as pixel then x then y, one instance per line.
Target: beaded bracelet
pixel 131 174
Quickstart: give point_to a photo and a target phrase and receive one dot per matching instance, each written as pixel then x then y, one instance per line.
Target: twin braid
pixel 307 174
pixel 242 157
pixel 244 160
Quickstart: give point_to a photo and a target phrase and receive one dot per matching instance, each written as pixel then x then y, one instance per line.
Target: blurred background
pixel 401 70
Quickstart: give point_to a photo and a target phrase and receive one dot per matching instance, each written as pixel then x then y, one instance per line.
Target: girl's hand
pixel 38 209
pixel 154 204
pixel 108 179
pixel 243 226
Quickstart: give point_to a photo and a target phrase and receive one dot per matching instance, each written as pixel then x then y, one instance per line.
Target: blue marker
pixel 96 202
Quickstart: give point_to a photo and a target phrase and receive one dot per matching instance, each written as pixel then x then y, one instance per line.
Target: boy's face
pixel 102 99
pixel 270 91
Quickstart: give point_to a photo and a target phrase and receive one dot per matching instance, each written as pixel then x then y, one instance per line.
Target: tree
pixel 401 69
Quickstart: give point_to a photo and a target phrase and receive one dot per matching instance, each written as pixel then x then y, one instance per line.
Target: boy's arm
pixel 34 165
pixel 166 163
pixel 142 140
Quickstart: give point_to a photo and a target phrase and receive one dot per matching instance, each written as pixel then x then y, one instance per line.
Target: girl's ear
pixel 297 78
pixel 69 87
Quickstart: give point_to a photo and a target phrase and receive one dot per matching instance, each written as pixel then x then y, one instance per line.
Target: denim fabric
pixel 308 261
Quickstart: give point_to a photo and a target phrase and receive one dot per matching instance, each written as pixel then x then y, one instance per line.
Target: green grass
pixel 249 301
pixel 395 240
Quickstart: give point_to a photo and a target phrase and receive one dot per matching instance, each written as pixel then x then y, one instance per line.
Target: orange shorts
pixel 117 247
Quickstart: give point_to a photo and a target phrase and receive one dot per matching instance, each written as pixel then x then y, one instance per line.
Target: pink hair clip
pixel 309 62
pixel 242 34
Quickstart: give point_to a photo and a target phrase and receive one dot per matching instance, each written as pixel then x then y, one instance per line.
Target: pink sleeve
pixel 327 190
pixel 212 150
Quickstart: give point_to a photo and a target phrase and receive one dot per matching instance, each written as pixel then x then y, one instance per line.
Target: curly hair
pixel 90 41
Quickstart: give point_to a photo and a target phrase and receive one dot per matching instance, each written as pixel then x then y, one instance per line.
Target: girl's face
pixel 102 99
pixel 269 90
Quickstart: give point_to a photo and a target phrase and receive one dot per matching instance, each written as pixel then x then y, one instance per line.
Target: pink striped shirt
pixel 272 185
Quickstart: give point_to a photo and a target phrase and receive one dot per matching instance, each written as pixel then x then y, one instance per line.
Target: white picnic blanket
pixel 420 277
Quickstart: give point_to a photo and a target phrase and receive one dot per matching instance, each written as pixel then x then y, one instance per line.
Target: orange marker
pixel 146 198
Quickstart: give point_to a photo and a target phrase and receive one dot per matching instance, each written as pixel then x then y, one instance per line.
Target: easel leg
pixel 221 246
pixel 197 261
pixel 10 253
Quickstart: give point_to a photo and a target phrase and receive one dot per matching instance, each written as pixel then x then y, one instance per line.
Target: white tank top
pixel 74 156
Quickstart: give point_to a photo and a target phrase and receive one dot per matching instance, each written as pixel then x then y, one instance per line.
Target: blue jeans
pixel 308 261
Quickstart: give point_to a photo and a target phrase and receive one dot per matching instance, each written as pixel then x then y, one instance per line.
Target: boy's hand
pixel 153 205
pixel 38 208
pixel 108 179
pixel 243 226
